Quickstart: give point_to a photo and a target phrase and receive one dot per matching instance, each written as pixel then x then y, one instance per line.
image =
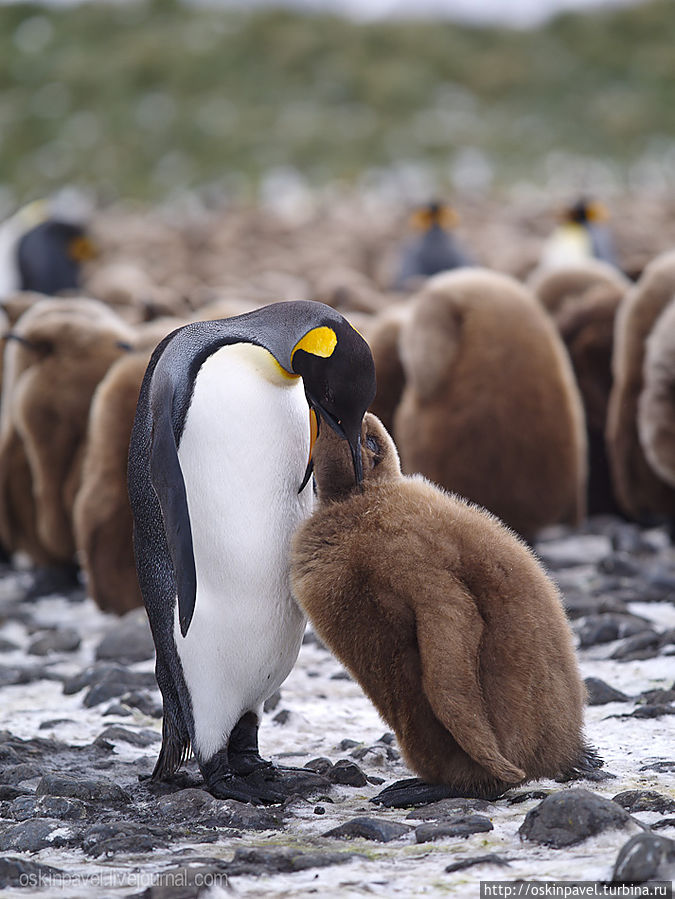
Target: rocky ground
pixel 79 733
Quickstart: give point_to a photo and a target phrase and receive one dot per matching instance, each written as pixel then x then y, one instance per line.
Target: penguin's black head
pixel 338 372
pixel 585 212
pixel 49 257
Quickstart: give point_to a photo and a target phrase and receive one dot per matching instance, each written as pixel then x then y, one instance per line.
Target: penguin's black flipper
pixel 166 478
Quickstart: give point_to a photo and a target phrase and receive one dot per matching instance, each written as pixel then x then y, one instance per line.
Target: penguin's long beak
pixel 353 438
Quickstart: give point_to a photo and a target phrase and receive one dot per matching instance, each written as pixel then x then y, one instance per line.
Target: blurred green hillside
pixel 140 98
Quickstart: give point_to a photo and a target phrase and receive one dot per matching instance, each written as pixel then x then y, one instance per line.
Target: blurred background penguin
pixel 434 249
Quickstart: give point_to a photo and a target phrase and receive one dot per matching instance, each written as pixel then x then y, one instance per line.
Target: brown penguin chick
pixel 640 492
pixel 383 339
pixel 490 407
pixel 101 513
pixel 59 352
pixel 587 329
pixel 656 405
pixel 445 618
pixel 556 288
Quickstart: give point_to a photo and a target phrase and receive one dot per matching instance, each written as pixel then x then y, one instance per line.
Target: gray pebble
pixel 115 733
pixel 32 835
pixel 62 640
pixel 129 640
pixel 20 872
pixel 258 862
pixel 61 807
pixel 600 693
pixel 461 827
pixel 369 829
pixel 477 860
pixel 571 816
pixel 81 788
pixel 644 801
pixel 645 857
pixel 346 773
pixel 448 809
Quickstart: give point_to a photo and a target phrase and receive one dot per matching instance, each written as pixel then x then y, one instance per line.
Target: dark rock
pixel 145 702
pixel 129 640
pixel 320 766
pixel 377 754
pixel 662 766
pixel 346 773
pixel 7 645
pixel 645 645
pixel 579 604
pixel 620 563
pixel 32 835
pixel 517 798
pixel 54 722
pixel 600 693
pixel 10 675
pixel 81 788
pixel 19 872
pixel 61 807
pixel 118 710
pixel 644 801
pixel 270 704
pixel 109 839
pixel 62 640
pixel 199 806
pixel 650 711
pixel 319 810
pixel 605 628
pixel 461 827
pixel 257 862
pixel 569 817
pixel 14 774
pixel 8 793
pixel 344 745
pixel 282 717
pixel 658 696
pixel 645 857
pixel 109 672
pixel 189 881
pixel 341 675
pixel 114 684
pixel 448 809
pixel 369 829
pixel 375 781
pixel 116 732
pixel 477 860
pixel 663 823
pixel 388 737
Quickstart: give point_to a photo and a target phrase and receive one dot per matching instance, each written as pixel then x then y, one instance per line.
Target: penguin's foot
pixel 414 791
pixel 244 763
pixel 244 789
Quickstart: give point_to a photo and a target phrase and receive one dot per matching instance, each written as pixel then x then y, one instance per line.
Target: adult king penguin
pixel 219 470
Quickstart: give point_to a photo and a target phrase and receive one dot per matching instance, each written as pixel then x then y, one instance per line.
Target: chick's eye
pixel 374 448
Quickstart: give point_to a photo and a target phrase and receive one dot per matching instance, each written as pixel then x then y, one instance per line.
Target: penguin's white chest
pixel 243 453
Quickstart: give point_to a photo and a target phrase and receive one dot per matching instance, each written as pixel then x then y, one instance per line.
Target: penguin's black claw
pixel 413 791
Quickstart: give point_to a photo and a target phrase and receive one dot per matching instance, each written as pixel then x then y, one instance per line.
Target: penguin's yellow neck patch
pixel 319 342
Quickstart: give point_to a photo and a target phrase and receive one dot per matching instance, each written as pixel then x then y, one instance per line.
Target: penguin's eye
pixel 374 448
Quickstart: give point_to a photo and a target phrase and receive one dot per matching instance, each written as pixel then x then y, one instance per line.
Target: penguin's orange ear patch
pixel 319 342
pixel 82 249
